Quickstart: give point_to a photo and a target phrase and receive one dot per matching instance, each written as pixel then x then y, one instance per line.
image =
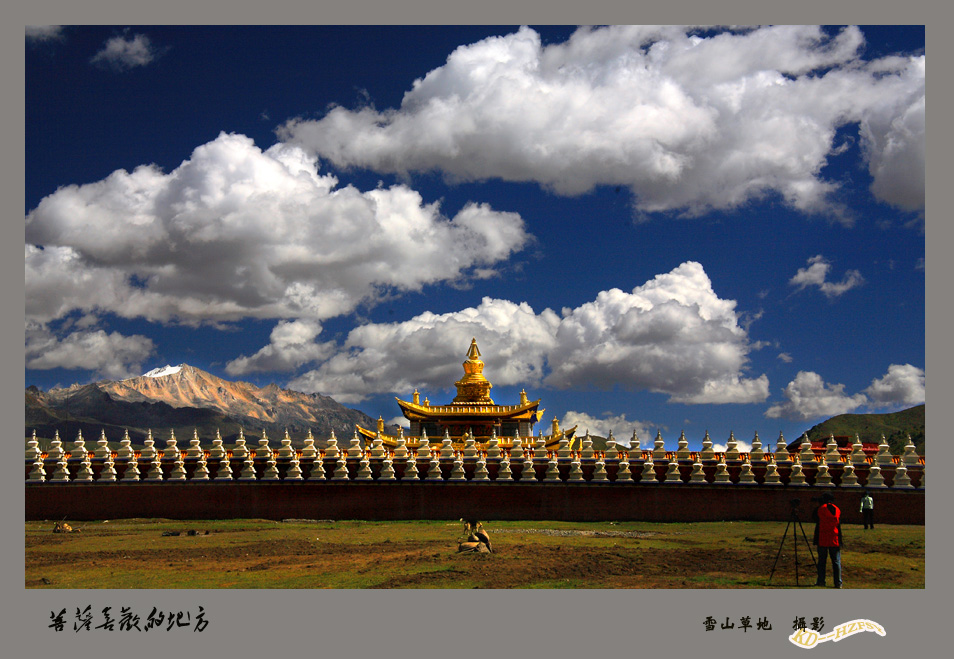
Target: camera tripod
pixel 793 517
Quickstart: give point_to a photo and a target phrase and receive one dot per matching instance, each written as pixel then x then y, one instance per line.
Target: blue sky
pixel 647 228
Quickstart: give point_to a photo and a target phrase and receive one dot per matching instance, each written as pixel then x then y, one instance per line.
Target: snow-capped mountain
pixel 165 370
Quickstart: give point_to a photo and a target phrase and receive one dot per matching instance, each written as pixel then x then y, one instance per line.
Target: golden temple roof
pixel 472 404
pixel 473 398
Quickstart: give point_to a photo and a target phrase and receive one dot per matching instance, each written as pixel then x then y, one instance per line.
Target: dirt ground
pixel 326 554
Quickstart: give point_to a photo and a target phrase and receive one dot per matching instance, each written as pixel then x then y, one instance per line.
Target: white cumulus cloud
pixel 426 352
pixel 112 355
pixel 816 274
pixel 292 344
pixel 38 33
pixel 741 445
pixel 903 384
pixel 893 137
pixel 398 421
pixel 810 397
pixel 731 388
pixel 672 335
pixel 688 121
pixel 601 426
pixel 124 52
pixel 235 232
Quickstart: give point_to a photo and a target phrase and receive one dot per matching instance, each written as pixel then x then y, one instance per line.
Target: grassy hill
pixel 895 426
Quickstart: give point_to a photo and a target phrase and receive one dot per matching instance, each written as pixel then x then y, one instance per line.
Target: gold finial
pixel 381 424
pixel 474 352
pixel 416 397
pixel 523 397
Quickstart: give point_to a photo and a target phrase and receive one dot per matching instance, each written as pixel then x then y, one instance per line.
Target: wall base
pixel 436 501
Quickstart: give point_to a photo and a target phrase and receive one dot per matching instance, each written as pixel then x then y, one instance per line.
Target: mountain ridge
pixel 184 398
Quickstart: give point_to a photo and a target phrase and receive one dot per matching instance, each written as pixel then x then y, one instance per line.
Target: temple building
pixel 472 411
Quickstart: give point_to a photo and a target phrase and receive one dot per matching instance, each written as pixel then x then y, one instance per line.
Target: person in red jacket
pixel 828 538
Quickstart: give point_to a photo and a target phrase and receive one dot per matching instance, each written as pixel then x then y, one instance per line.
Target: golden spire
pixel 473 354
pixel 473 388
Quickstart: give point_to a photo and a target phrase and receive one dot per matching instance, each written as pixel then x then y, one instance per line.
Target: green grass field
pixel 355 554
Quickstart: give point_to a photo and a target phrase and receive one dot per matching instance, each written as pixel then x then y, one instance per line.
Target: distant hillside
pixel 184 398
pixel 869 427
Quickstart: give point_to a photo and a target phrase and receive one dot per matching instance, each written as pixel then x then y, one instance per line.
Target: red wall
pixel 663 502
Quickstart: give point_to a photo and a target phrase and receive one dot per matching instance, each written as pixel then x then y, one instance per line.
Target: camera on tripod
pixel 793 519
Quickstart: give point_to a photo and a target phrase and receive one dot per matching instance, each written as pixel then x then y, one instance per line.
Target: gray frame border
pixel 357 623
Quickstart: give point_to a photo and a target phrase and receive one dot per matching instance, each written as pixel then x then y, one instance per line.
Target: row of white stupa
pixel 436 453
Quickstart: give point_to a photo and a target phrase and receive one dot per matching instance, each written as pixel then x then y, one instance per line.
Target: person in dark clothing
pixel 828 538
pixel 867 510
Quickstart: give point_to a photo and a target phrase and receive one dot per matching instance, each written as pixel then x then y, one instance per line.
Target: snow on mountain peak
pixel 165 370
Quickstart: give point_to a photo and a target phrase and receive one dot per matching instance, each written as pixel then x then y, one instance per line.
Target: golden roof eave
pixel 464 410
